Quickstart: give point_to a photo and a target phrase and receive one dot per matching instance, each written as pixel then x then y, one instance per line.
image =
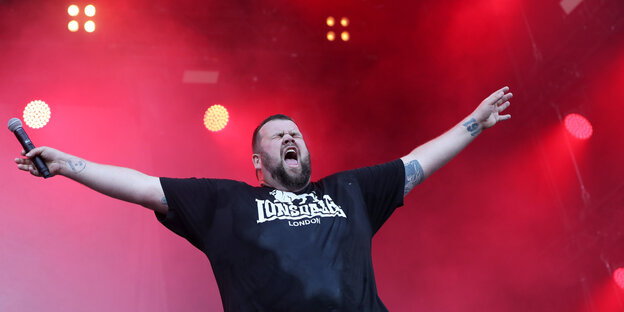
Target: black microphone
pixel 15 126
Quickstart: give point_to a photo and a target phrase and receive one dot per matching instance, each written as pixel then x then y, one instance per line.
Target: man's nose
pixel 288 139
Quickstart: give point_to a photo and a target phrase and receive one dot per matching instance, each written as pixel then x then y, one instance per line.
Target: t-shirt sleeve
pixel 192 204
pixel 382 189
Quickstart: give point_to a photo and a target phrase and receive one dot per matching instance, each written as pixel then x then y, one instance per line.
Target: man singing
pixel 288 244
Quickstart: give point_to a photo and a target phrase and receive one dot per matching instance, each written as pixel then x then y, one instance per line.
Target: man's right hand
pixel 54 159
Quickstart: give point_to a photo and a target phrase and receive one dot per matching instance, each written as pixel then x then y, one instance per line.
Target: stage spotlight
pixel 89 26
pixel 345 36
pixel 331 36
pixel 36 114
pixel 578 126
pixel 73 10
pixel 344 22
pixel 216 117
pixel 331 21
pixel 89 10
pixel 618 277
pixel 73 26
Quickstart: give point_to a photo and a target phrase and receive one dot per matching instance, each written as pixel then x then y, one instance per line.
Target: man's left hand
pixel 488 112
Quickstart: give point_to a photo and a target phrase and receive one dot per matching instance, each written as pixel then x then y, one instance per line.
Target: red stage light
pixel 216 117
pixel 578 126
pixel 618 277
pixel 37 114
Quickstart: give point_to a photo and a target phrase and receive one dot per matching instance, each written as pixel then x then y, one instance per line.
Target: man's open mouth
pixel 291 158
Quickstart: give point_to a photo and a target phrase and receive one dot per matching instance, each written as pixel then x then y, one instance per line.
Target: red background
pixel 503 227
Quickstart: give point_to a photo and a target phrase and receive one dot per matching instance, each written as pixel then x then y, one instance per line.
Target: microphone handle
pixel 27 144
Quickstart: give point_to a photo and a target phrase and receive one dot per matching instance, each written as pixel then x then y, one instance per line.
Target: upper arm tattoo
pixel 414 174
pixel 163 200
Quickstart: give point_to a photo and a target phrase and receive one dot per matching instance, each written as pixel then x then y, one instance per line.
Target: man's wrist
pixel 71 165
pixel 471 126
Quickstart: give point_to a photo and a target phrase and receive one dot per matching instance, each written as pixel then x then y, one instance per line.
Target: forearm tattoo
pixel 472 126
pixel 76 164
pixel 414 174
pixel 164 201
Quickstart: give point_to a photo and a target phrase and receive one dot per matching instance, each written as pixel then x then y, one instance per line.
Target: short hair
pixel 255 144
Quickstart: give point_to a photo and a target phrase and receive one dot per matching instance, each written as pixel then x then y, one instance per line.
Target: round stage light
pixel 90 10
pixel 37 114
pixel 331 21
pixel 89 26
pixel 73 26
pixel 73 10
pixel 344 22
pixel 618 277
pixel 578 126
pixel 345 36
pixel 216 117
pixel 331 36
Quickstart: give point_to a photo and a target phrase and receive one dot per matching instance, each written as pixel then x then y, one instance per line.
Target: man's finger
pixel 23 152
pixel 22 161
pixel 504 117
pixel 505 98
pixel 34 171
pixel 34 151
pixel 503 106
pixel 494 97
pixel 23 167
pixel 503 90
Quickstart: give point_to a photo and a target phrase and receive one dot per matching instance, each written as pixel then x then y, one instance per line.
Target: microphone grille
pixel 14 123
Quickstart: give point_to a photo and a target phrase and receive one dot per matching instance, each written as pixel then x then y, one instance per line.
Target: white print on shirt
pixel 305 222
pixel 290 206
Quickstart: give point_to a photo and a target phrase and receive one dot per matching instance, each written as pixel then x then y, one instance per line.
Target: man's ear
pixel 257 161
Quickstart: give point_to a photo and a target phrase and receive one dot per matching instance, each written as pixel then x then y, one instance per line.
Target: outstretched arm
pixel 117 182
pixel 429 157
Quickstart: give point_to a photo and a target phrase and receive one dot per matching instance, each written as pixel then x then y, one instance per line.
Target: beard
pixel 293 182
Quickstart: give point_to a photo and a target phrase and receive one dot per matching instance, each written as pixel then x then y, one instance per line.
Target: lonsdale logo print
pixel 289 206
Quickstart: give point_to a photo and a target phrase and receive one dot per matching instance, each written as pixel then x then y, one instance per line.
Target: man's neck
pixel 281 187
pixel 276 185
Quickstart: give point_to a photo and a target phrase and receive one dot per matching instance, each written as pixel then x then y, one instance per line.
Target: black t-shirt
pixel 272 250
